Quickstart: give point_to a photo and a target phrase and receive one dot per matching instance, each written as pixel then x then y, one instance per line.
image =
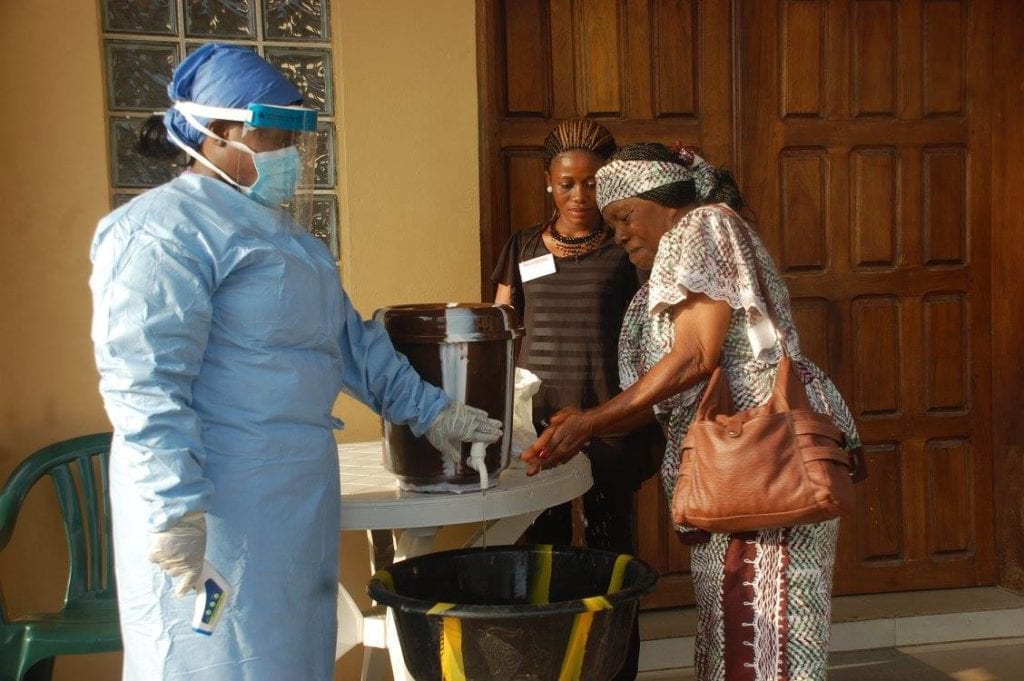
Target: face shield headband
pixel 293 118
pixel 625 179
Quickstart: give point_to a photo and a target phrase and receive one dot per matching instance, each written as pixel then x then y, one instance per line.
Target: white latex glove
pixel 461 423
pixel 180 550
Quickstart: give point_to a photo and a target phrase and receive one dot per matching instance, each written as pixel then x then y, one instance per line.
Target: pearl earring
pixel 549 190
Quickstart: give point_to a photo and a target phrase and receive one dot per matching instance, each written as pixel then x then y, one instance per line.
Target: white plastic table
pixel 372 501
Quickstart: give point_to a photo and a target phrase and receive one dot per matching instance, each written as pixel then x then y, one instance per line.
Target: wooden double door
pixel 860 134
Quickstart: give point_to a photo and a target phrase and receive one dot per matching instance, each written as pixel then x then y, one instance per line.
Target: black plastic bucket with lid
pixel 514 613
pixel 468 350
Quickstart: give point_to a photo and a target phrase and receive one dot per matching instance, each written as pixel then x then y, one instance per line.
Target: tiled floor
pixel 991 660
pixel 882 636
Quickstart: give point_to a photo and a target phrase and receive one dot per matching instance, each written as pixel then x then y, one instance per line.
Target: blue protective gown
pixel 223 338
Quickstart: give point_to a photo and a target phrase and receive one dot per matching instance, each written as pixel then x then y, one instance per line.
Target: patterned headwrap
pixel 624 179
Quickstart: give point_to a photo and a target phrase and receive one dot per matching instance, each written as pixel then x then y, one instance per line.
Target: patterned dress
pixel 763 598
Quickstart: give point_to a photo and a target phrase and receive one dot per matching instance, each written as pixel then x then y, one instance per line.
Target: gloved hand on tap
pixel 461 423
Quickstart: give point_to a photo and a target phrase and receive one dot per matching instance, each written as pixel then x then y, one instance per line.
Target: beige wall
pixel 53 187
pixel 406 90
pixel 410 197
pixel 410 211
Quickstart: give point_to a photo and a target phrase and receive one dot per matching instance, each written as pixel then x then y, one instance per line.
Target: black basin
pixel 514 613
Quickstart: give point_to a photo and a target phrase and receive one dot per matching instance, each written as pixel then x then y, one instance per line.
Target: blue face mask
pixel 278 174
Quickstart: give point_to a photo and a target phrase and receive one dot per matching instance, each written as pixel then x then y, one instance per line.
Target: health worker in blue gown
pixel 223 338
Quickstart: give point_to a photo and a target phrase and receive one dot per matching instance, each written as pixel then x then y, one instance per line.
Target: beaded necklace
pixel 575 246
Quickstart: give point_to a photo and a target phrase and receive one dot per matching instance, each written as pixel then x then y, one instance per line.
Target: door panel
pixel 859 131
pixel 866 166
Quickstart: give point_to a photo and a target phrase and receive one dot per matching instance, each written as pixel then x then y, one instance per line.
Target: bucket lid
pixel 449 322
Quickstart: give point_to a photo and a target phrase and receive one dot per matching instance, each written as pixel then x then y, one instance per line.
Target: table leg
pixel 382 548
pixel 503 530
pixel 376 664
pixel 398 670
pixel 407 543
pixel 413 542
pixel 350 623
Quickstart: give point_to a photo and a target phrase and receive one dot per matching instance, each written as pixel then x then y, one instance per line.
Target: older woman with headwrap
pixel 763 598
pixel 223 338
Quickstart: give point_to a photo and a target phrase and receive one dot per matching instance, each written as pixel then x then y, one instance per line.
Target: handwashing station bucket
pixel 467 349
pixel 514 613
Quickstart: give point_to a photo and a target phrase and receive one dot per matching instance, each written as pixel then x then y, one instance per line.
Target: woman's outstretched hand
pixel 568 432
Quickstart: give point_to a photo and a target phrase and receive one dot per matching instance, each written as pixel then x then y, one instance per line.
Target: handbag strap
pixel 762 286
pixel 856 459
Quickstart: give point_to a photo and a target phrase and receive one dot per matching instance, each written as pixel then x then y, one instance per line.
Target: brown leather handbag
pixel 776 465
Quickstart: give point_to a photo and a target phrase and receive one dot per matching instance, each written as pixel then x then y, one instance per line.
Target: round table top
pixel 372 500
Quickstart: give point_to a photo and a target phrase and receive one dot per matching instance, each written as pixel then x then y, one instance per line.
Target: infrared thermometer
pixel 214 592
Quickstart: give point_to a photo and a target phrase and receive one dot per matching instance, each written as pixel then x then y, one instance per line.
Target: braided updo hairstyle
pixel 684 192
pixel 578 134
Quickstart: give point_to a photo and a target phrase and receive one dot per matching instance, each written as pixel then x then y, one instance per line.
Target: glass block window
pixel 144 40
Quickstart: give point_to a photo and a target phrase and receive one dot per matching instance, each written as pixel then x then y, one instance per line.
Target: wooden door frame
pixel 489 65
pixel 1007 304
pixel 491 88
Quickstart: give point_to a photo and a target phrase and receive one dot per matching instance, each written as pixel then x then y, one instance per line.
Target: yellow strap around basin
pixel 540 579
pixel 572 664
pixel 386 578
pixel 439 608
pixel 618 573
pixel 595 603
pixel 452 666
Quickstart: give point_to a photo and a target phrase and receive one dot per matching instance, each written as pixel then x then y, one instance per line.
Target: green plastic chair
pixel 88 622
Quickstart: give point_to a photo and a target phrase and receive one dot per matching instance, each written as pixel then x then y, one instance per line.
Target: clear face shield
pixel 277 154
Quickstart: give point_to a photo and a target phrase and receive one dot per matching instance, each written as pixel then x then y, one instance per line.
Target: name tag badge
pixel 535 268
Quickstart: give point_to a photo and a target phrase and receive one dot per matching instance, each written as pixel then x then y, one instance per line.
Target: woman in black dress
pixel 571 284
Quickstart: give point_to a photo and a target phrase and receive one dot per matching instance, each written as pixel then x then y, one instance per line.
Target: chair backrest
pixel 79 470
